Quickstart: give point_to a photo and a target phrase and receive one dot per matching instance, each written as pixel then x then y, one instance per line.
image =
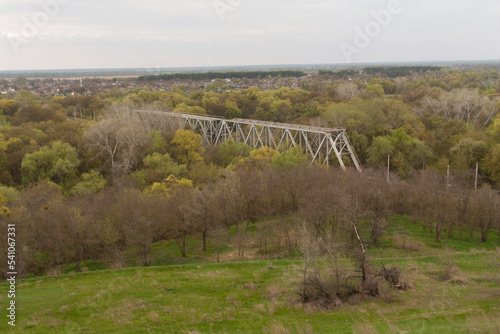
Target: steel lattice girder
pixel 318 143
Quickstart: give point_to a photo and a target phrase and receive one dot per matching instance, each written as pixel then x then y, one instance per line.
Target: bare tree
pixel 352 214
pixel 203 211
pixel 134 212
pixel 487 206
pixel 179 217
pixel 463 104
pixel 155 120
pixel 347 91
pixel 253 194
pixel 228 206
pixel 121 142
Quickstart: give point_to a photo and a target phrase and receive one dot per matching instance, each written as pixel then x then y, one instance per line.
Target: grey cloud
pixel 129 33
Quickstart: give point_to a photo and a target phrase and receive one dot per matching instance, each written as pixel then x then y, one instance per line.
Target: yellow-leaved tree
pixel 187 147
pixel 168 185
pixel 259 157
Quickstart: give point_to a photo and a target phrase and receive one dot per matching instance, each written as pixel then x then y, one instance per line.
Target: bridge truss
pixel 319 144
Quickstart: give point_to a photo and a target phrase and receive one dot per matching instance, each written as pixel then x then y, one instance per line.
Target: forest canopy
pixel 72 161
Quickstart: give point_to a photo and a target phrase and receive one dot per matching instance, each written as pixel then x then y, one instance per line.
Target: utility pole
pixel 448 177
pixel 388 166
pixel 477 172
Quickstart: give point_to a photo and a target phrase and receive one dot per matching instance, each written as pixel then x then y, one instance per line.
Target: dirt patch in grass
pixel 407 243
pixel 123 313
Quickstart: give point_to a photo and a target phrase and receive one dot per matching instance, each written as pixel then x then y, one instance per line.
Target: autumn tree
pixel 158 167
pixel 187 147
pixel 8 107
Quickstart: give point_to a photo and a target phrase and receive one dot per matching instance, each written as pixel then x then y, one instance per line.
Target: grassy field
pixel 455 288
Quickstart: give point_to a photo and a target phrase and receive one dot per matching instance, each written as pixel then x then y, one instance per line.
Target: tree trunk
pixel 438 231
pixel 145 252
pixel 182 244
pixel 363 254
pixel 337 274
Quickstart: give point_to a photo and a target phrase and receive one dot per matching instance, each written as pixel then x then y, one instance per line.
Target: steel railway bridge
pixel 319 144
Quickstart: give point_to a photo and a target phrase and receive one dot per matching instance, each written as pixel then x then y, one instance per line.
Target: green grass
pixel 197 294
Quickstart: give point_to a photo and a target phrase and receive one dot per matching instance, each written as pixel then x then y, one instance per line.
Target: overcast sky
pixel 167 33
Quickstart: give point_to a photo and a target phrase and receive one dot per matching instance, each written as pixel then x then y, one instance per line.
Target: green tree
pixel 493 163
pixel 494 130
pixel 282 110
pixel 289 159
pixel 421 155
pixel 360 144
pixel 158 142
pixel 25 98
pixel 379 150
pixel 389 86
pixel 164 164
pixel 90 183
pixel 467 152
pixel 57 162
pixel 374 91
pixel 231 151
pixel 10 194
pixel 407 152
pixel 157 168
pixel 39 114
pixel 349 116
pixel 146 96
pixel 232 111
pixel 5 176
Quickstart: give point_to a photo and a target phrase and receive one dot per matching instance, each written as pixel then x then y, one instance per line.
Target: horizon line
pixel 354 64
